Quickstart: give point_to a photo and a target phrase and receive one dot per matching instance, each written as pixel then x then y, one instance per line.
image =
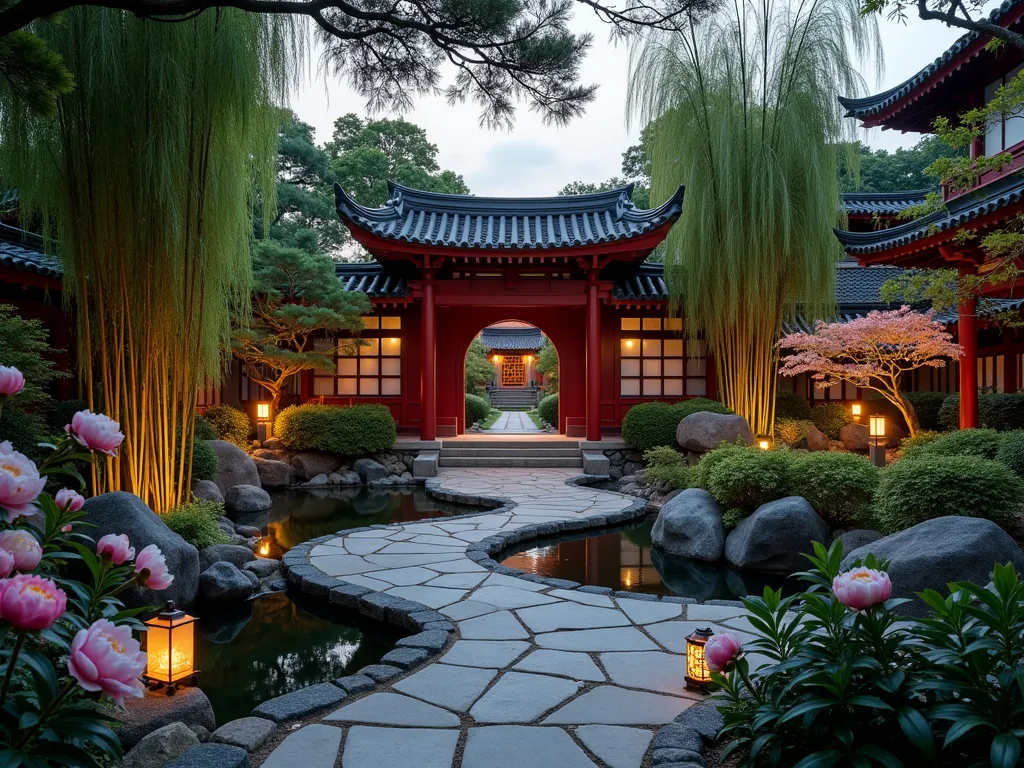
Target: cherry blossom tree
pixel 872 352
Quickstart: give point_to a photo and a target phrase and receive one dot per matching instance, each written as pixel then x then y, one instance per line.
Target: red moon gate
pixel 450 265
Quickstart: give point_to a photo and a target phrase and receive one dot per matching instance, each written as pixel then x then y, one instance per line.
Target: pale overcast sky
pixel 536 159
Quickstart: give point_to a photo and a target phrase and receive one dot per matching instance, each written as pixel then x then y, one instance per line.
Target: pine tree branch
pixel 981 26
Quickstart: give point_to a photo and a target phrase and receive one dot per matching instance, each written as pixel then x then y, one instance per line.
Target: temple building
pixel 512 347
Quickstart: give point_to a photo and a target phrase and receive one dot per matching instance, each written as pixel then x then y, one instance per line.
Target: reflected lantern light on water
pixel 170 647
pixel 698 676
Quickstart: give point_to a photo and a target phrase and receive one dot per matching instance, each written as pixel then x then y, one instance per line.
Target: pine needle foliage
pixel 145 179
pixel 745 115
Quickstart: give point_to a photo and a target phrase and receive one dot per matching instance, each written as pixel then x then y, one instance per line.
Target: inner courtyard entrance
pixel 513 371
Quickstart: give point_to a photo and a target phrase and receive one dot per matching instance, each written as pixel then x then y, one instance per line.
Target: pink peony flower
pixel 31 602
pixel 721 651
pixel 23 547
pixel 116 548
pixel 69 500
pixel 862 588
pixel 96 432
pixel 6 563
pixel 150 564
pixel 11 381
pixel 20 483
pixel 107 658
pixel 66 528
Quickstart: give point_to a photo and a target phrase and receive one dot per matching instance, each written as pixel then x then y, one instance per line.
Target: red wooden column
pixel 593 360
pixel 428 393
pixel 968 336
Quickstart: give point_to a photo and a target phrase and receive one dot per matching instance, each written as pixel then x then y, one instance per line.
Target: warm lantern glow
pixel 697 673
pixel 263 411
pixel 876 426
pixel 764 442
pixel 855 411
pixel 264 547
pixel 170 646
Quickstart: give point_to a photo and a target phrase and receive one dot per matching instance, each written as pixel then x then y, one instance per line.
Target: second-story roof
pixel 514 224
pixel 24 251
pixel 882 203
pixel 507 337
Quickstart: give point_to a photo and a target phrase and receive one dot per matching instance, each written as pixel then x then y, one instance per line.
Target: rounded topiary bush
pixel 702 471
pixel 747 479
pixel 1011 451
pixel 964 442
pixel 790 405
pixel 204 461
pixel 684 408
pixel 649 425
pixel 831 418
pixel 477 409
pixel 229 424
pixel 203 430
pixel 547 410
pixel 357 430
pixel 840 486
pixel 914 446
pixel 918 489
pixel 1003 411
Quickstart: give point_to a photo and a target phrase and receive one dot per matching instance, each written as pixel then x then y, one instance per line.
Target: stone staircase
pixel 503 454
pixel 519 398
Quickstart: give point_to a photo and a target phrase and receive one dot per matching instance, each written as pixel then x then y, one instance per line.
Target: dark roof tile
pixel 23 250
pixel 512 338
pixel 882 203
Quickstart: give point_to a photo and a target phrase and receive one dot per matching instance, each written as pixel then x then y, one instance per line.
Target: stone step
pixel 555 442
pixel 512 453
pixel 501 463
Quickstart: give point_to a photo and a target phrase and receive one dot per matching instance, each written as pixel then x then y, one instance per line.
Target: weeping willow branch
pixel 145 179
pixel 744 114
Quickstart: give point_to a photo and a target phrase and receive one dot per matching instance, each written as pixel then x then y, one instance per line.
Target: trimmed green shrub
pixel 790 405
pixel 477 409
pixel 649 425
pixel 964 442
pixel 229 424
pixel 1003 411
pixel 913 446
pixel 196 523
pixel 1011 451
pixel 733 517
pixel 840 486
pixel 667 469
pixel 203 430
pixel 831 418
pixel 204 461
pixel 547 410
pixel 702 471
pixel 791 431
pixel 750 478
pixel 918 489
pixel 357 430
pixel 949 413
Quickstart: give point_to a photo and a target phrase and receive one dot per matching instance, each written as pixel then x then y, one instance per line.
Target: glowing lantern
pixel 170 646
pixel 263 427
pixel 697 673
pixel 876 431
pixel 262 411
pixel 264 547
pixel 855 411
pixel 764 442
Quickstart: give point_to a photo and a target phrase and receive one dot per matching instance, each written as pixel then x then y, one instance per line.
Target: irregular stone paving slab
pixel 601 601
pixel 615 746
pixel 467 609
pixel 392 709
pixel 370 583
pixel 432 597
pixel 617 706
pixel 368 747
pixel 568 615
pixel 649 671
pixel 314 746
pixel 403 561
pixel 617 639
pixel 341 565
pixel 494 626
pixel 501 580
pixel 519 697
pixel 485 653
pixel 648 612
pixel 364 546
pixel 510 597
pixel 713 612
pixel 672 634
pixel 457 566
pixel 457 580
pixel 408 548
pixel 404 577
pixel 449 686
pixel 511 746
pixel 578 666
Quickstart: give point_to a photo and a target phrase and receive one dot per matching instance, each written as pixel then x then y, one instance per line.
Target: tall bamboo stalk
pixel 147 180
pixel 745 115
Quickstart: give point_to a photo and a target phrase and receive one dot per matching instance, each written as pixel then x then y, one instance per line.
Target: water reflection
pixel 279 643
pixel 625 560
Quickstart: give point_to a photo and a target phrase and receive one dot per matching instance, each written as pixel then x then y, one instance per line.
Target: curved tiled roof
pixel 373 279
pixel 464 221
pixel 866 106
pixel 24 251
pixel 647 283
pixel 511 338
pixel 882 203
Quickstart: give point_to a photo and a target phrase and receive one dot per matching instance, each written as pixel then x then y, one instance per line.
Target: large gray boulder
pixel 309 465
pixel 856 538
pixel 345 477
pixel 207 490
pixel 274 474
pixel 235 554
pixel 121 512
pixel 156 709
pixel 234 466
pixel 690 525
pixel 816 439
pixel 161 746
pixel 247 498
pixel 855 437
pixel 369 470
pixel 702 431
pixel 222 582
pixel 773 538
pixel 936 552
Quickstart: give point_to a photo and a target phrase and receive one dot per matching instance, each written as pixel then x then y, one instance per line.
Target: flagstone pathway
pixel 513 421
pixel 538 676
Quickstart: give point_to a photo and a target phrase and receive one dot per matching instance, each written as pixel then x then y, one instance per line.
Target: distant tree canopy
pixel 636 170
pixel 884 171
pixel 479 369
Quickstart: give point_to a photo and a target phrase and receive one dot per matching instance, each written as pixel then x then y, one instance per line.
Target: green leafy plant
pixel 358 430
pixel 791 431
pixel 790 405
pixel 229 424
pixel 667 469
pixel 733 517
pixel 1011 451
pixel 840 486
pixel 196 523
pixel 747 479
pixel 921 488
pixel 547 363
pixel 830 419
pixel 1001 411
pixel 204 461
pixel 547 410
pixel 477 409
pixel 707 463
pixel 965 442
pixel 911 447
pixel 479 369
pixel 203 429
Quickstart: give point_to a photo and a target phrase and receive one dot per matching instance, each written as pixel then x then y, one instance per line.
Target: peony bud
pixel 116 548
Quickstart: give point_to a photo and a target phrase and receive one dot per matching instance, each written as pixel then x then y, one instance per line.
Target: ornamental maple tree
pixel 872 352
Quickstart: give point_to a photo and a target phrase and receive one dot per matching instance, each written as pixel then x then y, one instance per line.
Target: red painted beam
pixel 428 422
pixel 593 359
pixel 967 330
